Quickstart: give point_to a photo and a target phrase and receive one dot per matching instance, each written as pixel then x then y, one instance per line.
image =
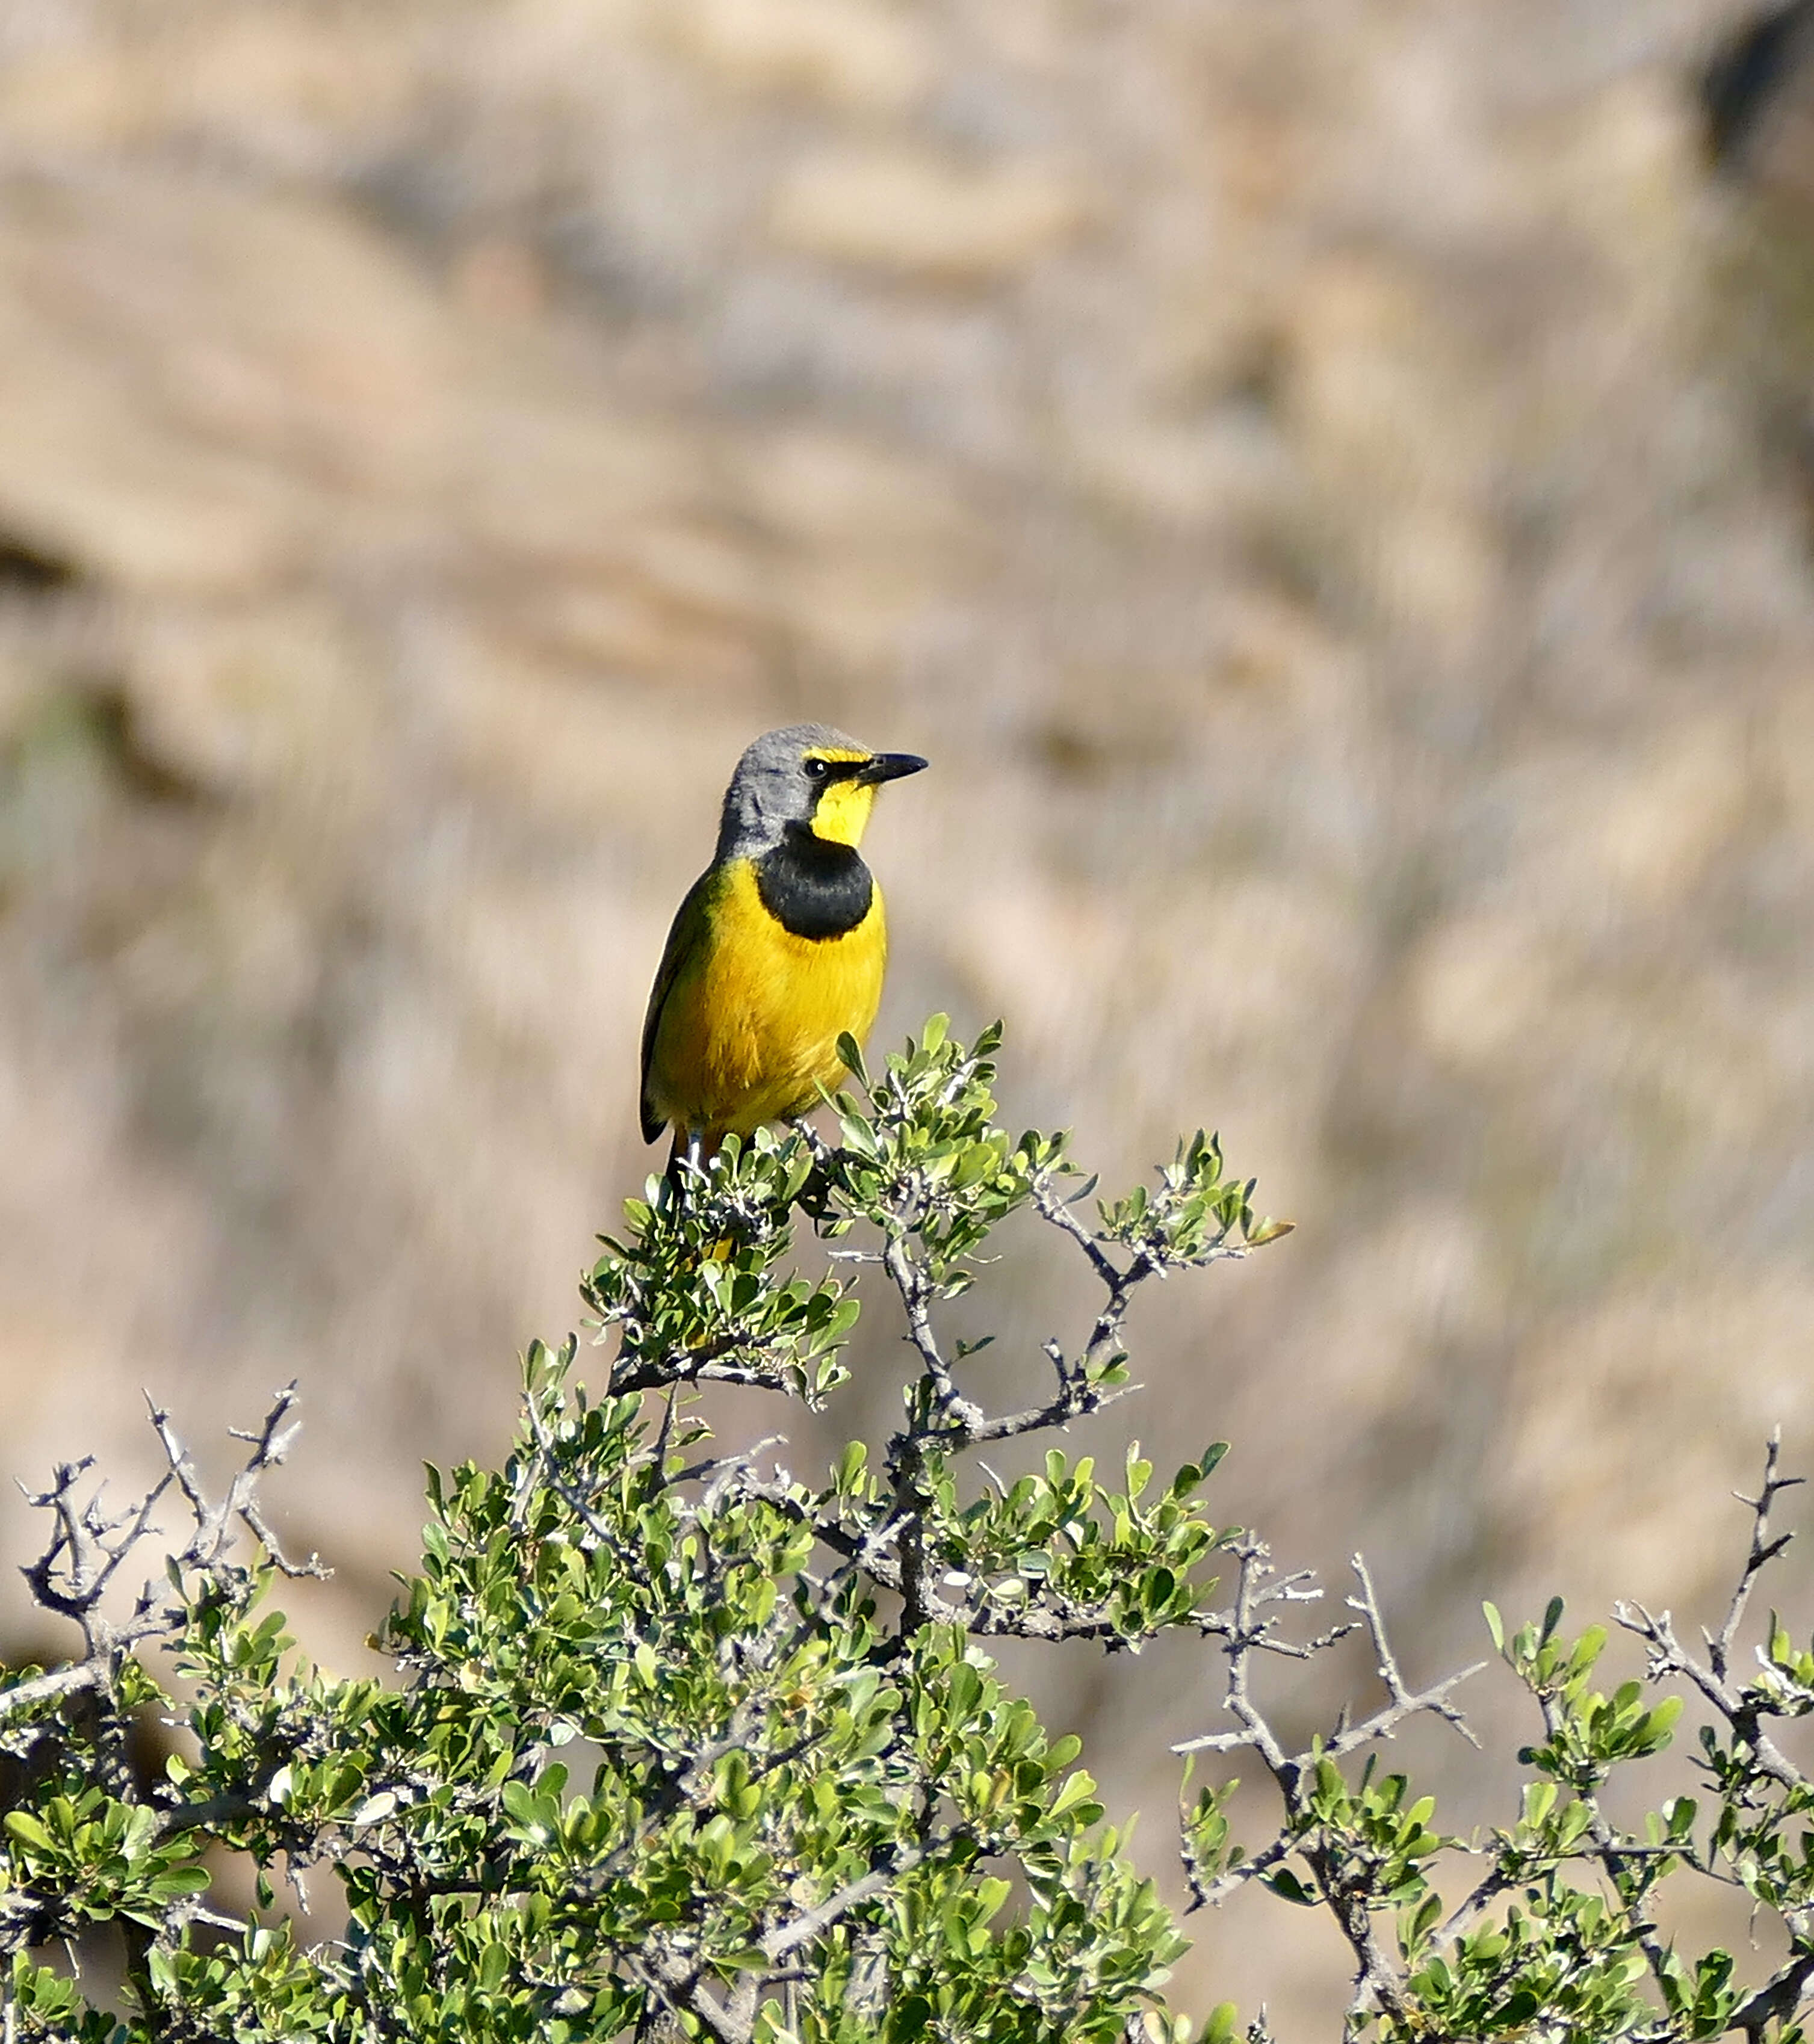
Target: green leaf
pixel 719 1648
pixel 28 1832
pixel 849 1468
pixel 1284 1882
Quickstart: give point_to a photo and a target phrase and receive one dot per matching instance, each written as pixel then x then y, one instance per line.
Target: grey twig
pixel 1777 1999
pixel 1743 1707
pixel 1343 1879
pixel 87 1549
pixel 1763 1551
pixel 1433 1702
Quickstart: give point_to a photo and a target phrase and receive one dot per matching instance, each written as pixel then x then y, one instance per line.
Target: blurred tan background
pixel 1326 482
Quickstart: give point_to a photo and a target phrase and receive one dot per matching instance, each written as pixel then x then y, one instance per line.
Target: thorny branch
pixel 705 1363
pixel 88 1548
pixel 1742 1708
pixel 889 1546
pixel 889 1538
pixel 1344 1882
pixel 951 1423
pixel 1344 1877
pixel 1404 1702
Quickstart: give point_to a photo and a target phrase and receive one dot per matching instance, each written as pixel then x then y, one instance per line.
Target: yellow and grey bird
pixel 778 947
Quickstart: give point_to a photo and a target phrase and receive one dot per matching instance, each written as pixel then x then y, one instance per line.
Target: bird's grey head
pixel 782 776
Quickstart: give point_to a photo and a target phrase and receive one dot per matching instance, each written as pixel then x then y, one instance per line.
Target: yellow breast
pixel 749 1031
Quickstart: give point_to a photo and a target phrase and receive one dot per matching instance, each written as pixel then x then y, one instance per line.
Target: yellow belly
pixel 748 1033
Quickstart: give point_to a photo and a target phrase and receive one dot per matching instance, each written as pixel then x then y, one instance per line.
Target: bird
pixel 777 949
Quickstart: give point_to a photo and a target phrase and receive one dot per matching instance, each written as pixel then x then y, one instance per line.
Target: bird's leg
pixel 683 1163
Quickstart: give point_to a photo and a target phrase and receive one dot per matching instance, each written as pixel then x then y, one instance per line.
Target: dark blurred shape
pixel 1755 91
pixel 26 570
pixel 117 734
pixel 1758 96
pixel 93 718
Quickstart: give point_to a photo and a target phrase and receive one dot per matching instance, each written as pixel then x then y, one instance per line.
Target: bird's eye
pixel 816 770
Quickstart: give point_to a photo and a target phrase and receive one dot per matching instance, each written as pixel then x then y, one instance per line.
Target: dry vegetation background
pixel 1322 480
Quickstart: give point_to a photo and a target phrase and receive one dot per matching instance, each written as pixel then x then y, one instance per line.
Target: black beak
pixel 889 767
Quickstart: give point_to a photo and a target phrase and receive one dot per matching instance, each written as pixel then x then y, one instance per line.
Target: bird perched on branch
pixel 778 947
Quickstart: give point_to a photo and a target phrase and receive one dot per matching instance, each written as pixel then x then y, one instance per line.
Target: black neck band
pixel 813 888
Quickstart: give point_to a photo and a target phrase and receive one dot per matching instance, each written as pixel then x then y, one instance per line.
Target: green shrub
pixel 680 1744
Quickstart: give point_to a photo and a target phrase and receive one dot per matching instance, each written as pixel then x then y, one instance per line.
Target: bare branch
pixel 1052 1206
pixel 87 1550
pixel 1778 1998
pixel 1763 1550
pixel 1203 1892
pixel 1743 1710
pixel 964 1417
pixel 703 1365
pixel 1433 1702
pixel 789 1937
